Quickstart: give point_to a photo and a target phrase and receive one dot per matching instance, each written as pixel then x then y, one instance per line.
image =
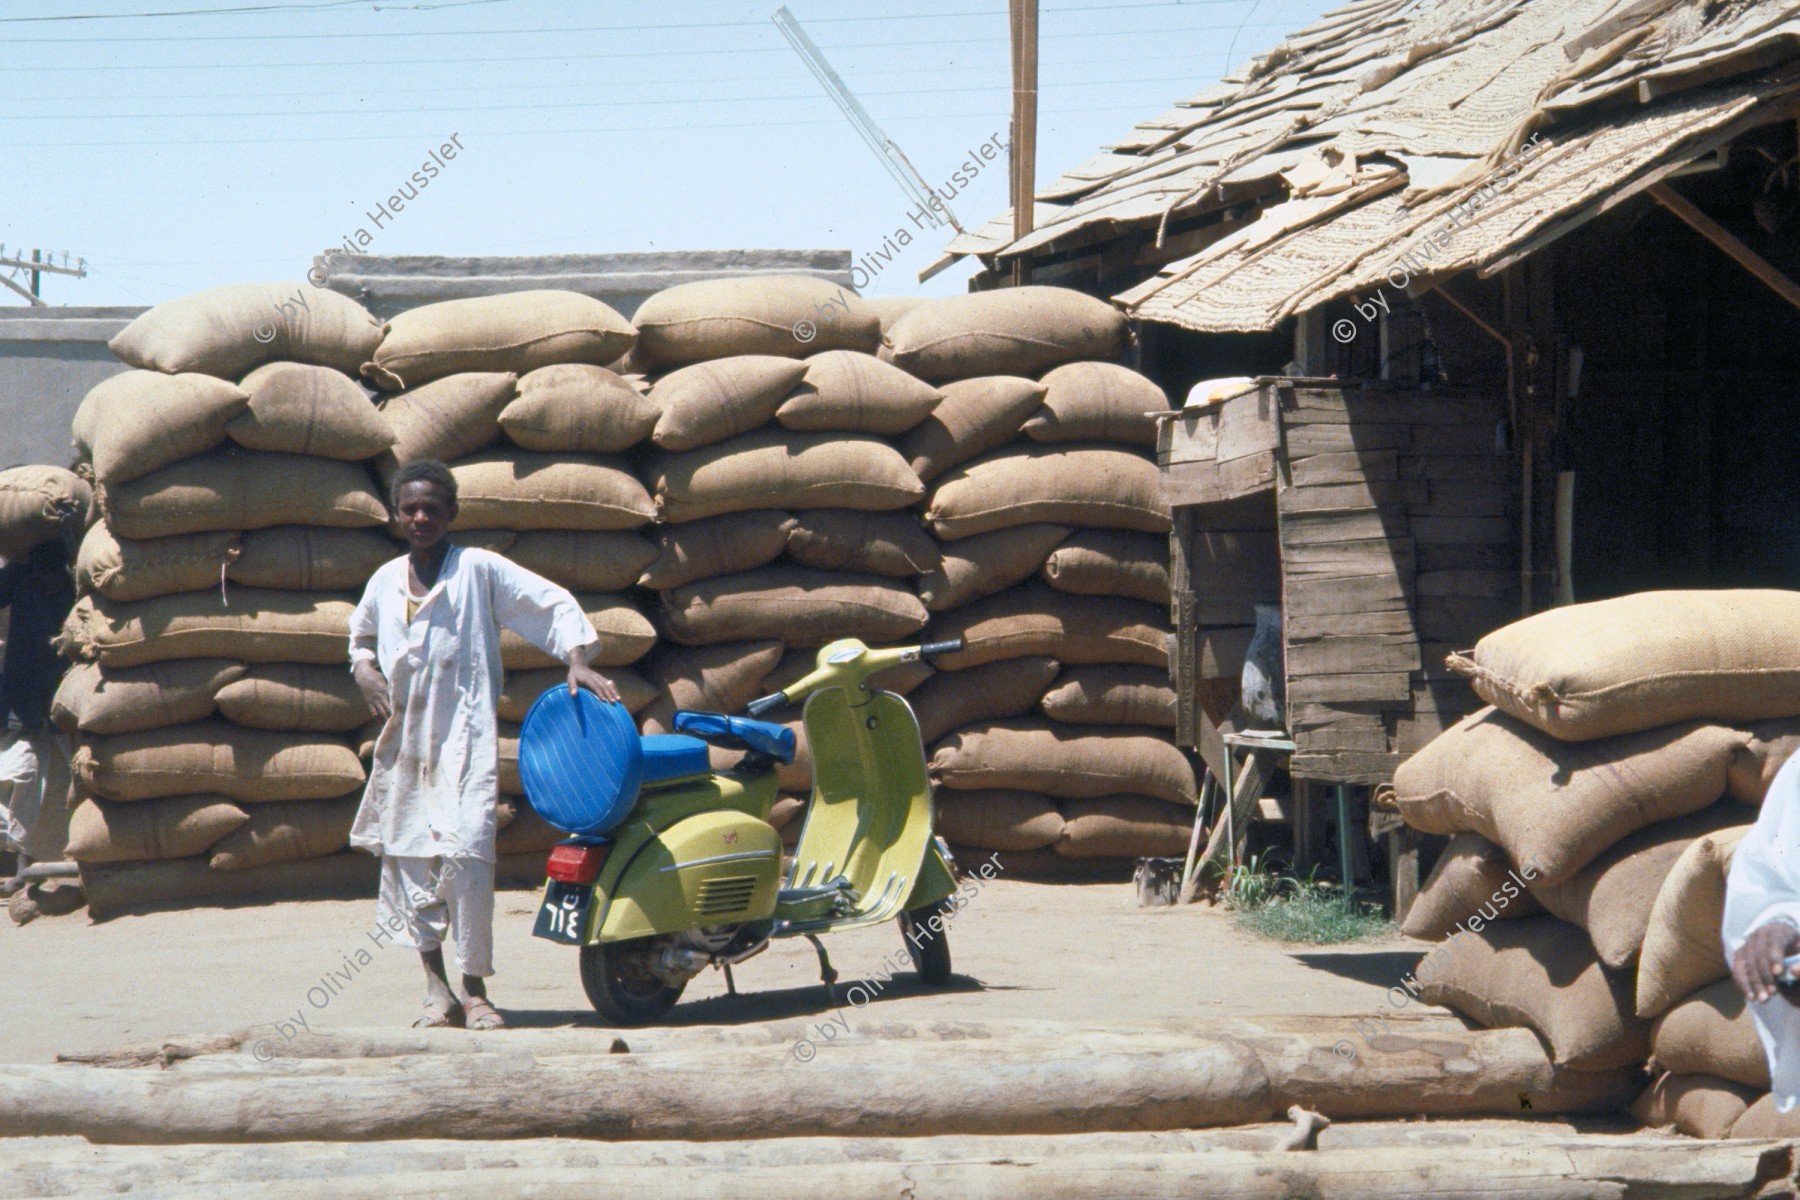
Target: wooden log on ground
pixel 1561 1168
pixel 895 1089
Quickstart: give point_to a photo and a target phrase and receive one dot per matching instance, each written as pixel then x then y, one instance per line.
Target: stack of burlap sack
pixel 1593 809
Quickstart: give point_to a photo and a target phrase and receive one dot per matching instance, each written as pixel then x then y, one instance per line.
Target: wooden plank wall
pixel 1398 538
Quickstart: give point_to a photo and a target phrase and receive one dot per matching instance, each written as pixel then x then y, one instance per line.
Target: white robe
pixel 1764 886
pixel 433 784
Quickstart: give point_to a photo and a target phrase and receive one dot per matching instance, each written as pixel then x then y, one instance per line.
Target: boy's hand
pixel 374 689
pixel 1758 961
pixel 583 676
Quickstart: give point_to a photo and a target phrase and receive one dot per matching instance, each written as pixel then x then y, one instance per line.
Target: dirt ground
pixel 1034 950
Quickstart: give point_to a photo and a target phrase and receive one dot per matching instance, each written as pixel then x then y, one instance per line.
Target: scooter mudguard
pixel 713 868
pixel 870 817
pixel 936 881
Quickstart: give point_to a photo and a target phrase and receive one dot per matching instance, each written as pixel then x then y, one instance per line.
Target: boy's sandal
pixel 437 1016
pixel 481 1014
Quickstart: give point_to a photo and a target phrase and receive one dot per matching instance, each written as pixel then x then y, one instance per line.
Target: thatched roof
pixel 1401 132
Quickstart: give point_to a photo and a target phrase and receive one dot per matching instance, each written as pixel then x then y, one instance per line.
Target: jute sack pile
pixel 1711 1033
pixel 175 827
pixel 214 757
pixel 1683 948
pixel 92 699
pixel 229 331
pixel 788 315
pixel 1702 1106
pixel 1472 879
pixel 516 332
pixel 1018 331
pixel 998 819
pixel 857 393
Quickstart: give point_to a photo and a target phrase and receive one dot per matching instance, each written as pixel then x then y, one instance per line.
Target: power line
pixel 559 132
pixel 573 57
pixel 239 11
pixel 436 33
pixel 350 112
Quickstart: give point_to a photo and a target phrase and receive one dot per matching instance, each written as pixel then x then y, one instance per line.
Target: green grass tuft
pixel 1296 910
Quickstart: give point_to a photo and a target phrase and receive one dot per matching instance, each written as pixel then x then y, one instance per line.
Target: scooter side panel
pixel 714 868
pixel 870 818
pixel 936 881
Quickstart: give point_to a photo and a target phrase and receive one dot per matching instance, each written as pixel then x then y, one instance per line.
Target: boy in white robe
pixel 425 652
pixel 1762 927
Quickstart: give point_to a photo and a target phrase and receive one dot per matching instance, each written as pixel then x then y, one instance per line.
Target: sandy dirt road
pixel 1043 951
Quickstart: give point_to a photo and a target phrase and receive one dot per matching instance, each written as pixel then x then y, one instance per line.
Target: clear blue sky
pixel 180 152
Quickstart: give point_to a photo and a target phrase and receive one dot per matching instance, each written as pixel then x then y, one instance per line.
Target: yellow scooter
pixel 689 874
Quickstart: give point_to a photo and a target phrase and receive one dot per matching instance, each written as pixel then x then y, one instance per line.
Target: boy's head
pixel 423 497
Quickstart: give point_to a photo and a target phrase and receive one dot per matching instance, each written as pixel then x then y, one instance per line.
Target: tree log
pixel 897 1089
pixel 1497 1166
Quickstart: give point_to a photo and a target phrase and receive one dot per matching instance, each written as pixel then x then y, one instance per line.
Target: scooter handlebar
pixel 763 704
pixel 932 649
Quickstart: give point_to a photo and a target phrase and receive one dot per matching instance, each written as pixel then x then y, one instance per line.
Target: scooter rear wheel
pixel 620 984
pixel 930 949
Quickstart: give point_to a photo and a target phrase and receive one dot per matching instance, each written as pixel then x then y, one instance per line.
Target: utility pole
pixel 886 149
pixel 1024 19
pixel 39 262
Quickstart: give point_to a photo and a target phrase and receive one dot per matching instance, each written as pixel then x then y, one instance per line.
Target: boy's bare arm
pixel 581 675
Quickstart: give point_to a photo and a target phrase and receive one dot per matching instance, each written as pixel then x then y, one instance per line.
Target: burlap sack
pixel 789 315
pixel 711 401
pixel 212 756
pixel 133 423
pixel 950 700
pixel 722 545
pixel 180 883
pixel 1557 805
pixel 448 419
pixel 295 697
pixel 175 827
pixel 889 309
pixel 987 563
pixel 1683 948
pixel 307 558
pixel 1541 974
pixel 976 415
pixel 522 489
pixel 833 539
pixel 1112 694
pixel 1017 331
pixel 1094 486
pixel 1124 827
pixel 1772 743
pixel 577 408
pixel 584 560
pixel 1761 1120
pixel 528 834
pixel 1034 756
pixel 1636 662
pixel 719 678
pixel 1098 401
pixel 1471 879
pixel 228 331
pixel 298 409
pixel 522 689
pixel 286 830
pixel 857 393
pixel 800 607
pixel 34 502
pixel 514 331
pixel 626 635
pixel 777 469
pixel 1612 896
pixel 796 776
pixel 1711 1033
pixel 1702 1106
pixel 138 698
pixel 258 626
pixel 1111 562
pixel 243 489
pixel 499 541
pixel 1033 619
pixel 997 820
pixel 138 570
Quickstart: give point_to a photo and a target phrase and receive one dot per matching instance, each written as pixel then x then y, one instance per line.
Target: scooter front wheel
pixel 621 985
pixel 929 948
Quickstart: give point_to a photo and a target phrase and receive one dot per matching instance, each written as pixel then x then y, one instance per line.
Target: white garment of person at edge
pixel 433 784
pixel 1764 886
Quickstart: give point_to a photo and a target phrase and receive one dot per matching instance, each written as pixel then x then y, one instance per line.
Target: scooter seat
pixel 672 756
pixel 739 733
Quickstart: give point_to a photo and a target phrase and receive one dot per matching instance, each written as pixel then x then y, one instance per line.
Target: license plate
pixel 563 916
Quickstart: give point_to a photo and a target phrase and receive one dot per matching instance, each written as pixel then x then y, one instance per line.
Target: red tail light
pixel 576 863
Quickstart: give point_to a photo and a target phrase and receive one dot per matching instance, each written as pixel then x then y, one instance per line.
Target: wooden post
pixel 1024 15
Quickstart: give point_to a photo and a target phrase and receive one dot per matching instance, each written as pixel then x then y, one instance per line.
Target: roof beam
pixel 1727 241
